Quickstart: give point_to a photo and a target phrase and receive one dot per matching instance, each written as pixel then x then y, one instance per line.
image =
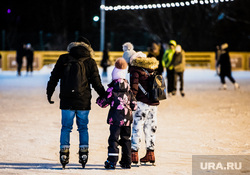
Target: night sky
pixel 51 25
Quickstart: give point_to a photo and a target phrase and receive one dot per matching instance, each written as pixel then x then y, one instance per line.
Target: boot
pixel 125 165
pixel 236 86
pixel 135 156
pixel 83 156
pixel 149 157
pixel 223 87
pixel 109 165
pixel 64 156
pixel 182 93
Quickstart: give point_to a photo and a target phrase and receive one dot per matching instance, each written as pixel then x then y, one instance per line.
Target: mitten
pixel 49 99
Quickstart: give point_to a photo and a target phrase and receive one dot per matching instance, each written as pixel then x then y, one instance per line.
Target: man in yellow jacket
pixel 168 64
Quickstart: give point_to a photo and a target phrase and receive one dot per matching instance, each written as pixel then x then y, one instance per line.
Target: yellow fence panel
pixel 239 60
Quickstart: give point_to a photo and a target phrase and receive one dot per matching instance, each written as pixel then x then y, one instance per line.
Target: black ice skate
pixel 83 156
pixel 64 157
pixel 125 165
pixel 109 165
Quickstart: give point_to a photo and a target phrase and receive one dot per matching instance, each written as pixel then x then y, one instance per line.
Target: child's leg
pixel 138 122
pixel 150 127
pixel 125 143
pixel 113 151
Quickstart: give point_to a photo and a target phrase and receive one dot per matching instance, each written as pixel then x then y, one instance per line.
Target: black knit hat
pixel 82 39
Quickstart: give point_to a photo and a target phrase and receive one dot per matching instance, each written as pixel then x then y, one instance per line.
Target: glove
pixel 49 99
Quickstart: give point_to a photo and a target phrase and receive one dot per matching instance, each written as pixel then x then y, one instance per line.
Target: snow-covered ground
pixel 207 121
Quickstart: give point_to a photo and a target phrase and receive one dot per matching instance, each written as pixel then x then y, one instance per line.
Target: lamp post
pixel 102 29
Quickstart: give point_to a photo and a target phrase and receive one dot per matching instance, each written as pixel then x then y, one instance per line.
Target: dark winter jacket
pixel 29 53
pixel 77 50
pixel 105 59
pixel 159 70
pixel 122 102
pixel 138 75
pixel 224 63
pixel 20 54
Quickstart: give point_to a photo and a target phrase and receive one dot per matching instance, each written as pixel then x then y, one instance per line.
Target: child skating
pixel 122 103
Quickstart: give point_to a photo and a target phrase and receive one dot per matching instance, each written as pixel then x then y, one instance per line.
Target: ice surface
pixel 207 121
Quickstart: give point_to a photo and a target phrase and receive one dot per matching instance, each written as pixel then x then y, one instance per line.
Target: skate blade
pixel 134 164
pixel 83 165
pixel 63 167
pixel 149 164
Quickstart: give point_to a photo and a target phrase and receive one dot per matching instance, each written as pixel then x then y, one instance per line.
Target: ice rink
pixel 207 121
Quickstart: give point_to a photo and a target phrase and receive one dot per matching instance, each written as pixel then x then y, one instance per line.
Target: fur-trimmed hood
pixel 145 62
pixel 86 47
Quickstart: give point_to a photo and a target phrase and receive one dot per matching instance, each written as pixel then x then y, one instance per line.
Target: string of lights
pixel 163 5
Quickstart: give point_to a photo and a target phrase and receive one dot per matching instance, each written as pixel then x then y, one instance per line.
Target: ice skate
pixel 64 157
pixel 149 157
pixel 182 93
pixel 170 94
pixel 83 156
pixel 125 165
pixel 236 86
pixel 223 87
pixel 109 165
pixel 135 157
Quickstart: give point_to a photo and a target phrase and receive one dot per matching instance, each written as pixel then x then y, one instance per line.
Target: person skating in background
pixel 179 62
pixel 145 117
pixel 217 56
pixel 105 63
pixel 168 64
pixel 76 70
pixel 224 65
pixel 156 50
pixel 29 53
pixel 128 49
pixel 20 53
pixel 122 102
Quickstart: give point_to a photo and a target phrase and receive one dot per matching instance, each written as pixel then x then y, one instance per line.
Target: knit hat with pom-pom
pixel 120 70
pixel 128 49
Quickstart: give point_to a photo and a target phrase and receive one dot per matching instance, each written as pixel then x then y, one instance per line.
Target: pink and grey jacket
pixel 122 102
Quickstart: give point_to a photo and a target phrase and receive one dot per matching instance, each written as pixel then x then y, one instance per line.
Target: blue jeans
pixel 67 126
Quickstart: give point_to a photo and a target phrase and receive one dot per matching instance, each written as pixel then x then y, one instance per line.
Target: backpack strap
pixel 147 72
pixel 140 86
pixel 142 89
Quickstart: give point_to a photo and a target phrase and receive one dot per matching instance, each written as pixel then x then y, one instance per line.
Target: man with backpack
pixel 76 70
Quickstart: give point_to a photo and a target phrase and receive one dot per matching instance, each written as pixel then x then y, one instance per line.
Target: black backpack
pixel 74 80
pixel 157 86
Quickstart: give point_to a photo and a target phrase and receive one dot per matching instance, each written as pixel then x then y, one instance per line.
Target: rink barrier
pixel 239 60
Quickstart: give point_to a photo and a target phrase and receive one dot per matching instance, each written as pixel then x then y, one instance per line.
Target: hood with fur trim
pixel 145 62
pixel 80 48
